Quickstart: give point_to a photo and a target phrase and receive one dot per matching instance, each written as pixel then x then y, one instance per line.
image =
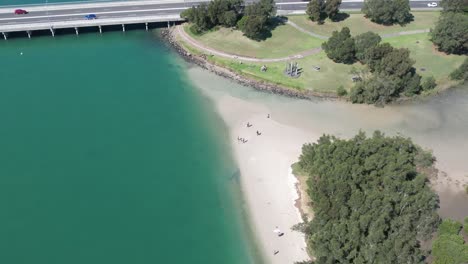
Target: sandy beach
pixel 265 161
pixel 266 178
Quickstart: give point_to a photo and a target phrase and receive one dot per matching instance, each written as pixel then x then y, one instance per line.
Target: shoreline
pixel 169 36
pixel 200 60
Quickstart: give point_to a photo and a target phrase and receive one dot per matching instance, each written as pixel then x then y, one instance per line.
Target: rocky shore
pixel 168 35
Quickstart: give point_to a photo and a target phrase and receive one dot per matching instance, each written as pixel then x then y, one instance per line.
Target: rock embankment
pixel 201 60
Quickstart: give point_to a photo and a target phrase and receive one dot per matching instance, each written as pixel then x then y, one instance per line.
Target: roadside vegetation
pixel 370 202
pixel 450 33
pixel 254 20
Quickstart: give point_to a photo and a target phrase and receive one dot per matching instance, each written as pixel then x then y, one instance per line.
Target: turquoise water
pixel 109 155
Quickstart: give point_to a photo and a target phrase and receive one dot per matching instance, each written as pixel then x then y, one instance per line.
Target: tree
pixel 332 8
pixel 450 33
pixel 340 46
pixel 397 62
pixel 387 12
pixel 252 26
pixel 314 10
pixel 364 43
pixel 454 5
pixel 268 8
pixel 429 83
pixel 461 73
pixel 378 89
pixel 371 205
pixel 374 55
pixel 198 15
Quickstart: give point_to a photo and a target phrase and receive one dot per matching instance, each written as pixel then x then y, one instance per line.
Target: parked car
pixel 90 16
pixel 20 12
pixel 433 4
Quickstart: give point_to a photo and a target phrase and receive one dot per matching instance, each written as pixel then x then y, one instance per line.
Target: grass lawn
pixel 436 63
pixel 285 41
pixel 330 76
pixel 358 24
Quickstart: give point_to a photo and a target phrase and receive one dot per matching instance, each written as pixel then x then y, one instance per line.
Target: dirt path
pixel 181 33
pixel 389 35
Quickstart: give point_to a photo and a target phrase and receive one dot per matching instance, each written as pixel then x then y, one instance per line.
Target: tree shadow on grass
pixel 340 17
pixel 271 25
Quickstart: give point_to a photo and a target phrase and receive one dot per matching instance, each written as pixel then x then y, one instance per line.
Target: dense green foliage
pixel 429 83
pixel 340 46
pixel 252 20
pixel 393 75
pixel 450 33
pixel 256 18
pixel 370 203
pixel 454 5
pixel 318 10
pixel 332 8
pixel 392 69
pixel 387 12
pixel 364 43
pixel 217 12
pixel 449 246
pixel 314 10
pixel 461 73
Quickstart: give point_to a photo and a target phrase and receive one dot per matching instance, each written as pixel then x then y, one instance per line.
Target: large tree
pixel 387 12
pixel 450 33
pixel 340 46
pixel 314 10
pixel 332 8
pixel 364 43
pixel 371 205
pixel 454 5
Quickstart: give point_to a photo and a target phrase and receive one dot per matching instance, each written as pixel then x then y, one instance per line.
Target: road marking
pixel 98 13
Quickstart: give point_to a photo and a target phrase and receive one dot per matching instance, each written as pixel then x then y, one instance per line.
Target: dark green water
pixel 109 155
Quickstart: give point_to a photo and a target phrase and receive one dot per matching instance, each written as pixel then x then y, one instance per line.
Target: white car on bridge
pixel 433 4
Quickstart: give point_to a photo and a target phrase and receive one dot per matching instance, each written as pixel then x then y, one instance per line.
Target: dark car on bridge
pixel 90 17
pixel 20 12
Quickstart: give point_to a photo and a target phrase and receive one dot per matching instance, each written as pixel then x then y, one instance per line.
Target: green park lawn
pixel 330 76
pixel 284 41
pixel 435 63
pixel 358 24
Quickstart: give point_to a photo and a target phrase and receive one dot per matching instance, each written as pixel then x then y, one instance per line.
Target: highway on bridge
pixel 137 9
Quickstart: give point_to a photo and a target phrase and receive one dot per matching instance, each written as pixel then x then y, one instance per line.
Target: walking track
pixel 181 32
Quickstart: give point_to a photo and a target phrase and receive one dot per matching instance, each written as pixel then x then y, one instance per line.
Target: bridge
pixel 52 17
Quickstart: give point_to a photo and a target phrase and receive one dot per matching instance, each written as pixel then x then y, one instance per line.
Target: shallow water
pixel 439 123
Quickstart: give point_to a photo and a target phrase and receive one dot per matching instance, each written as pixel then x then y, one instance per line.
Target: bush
pixel 429 84
pixel 450 33
pixel 387 12
pixel 461 73
pixel 449 227
pixel 449 246
pixel 370 203
pixel 341 91
pixel 340 46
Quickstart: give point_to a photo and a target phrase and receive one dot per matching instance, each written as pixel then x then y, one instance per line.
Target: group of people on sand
pixel 278 232
pixel 243 140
